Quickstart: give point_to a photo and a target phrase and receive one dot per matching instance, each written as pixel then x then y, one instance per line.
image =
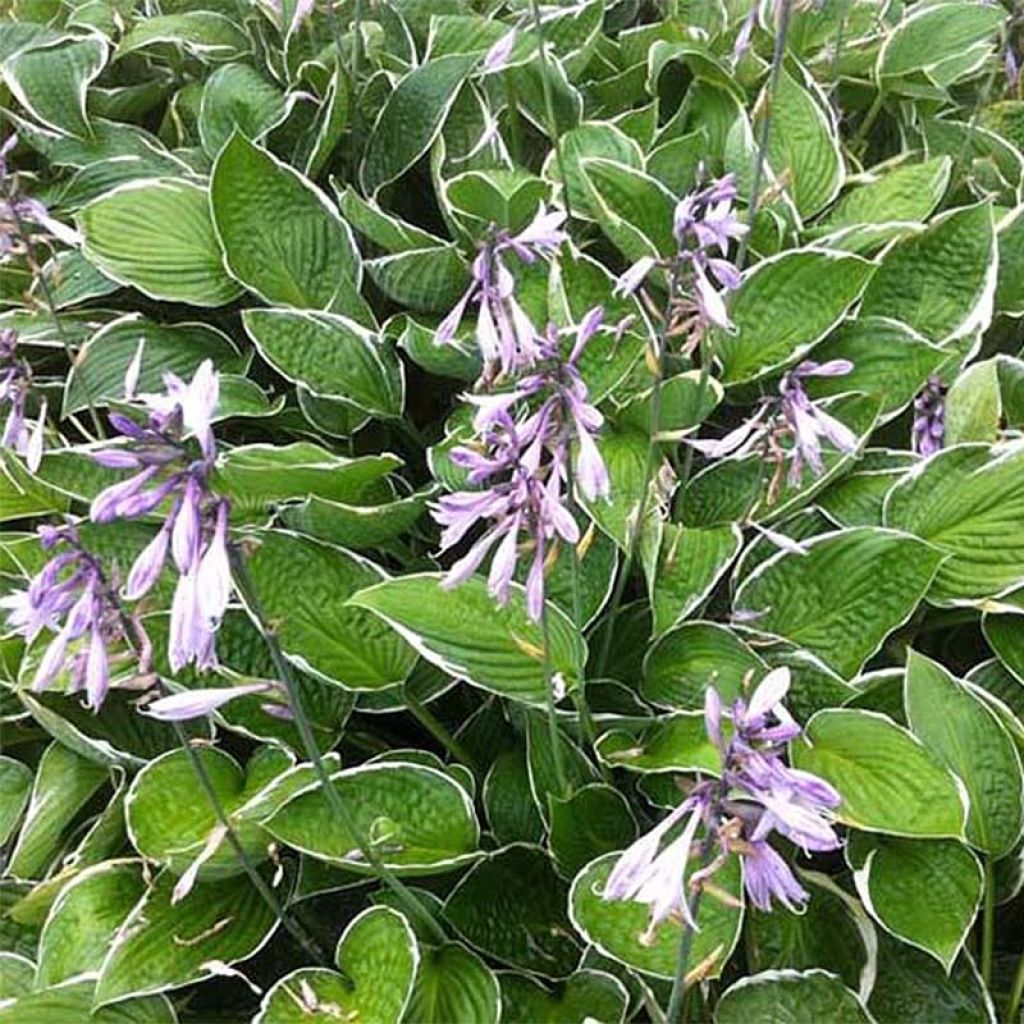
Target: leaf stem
pixel 554 736
pixel 247 591
pixel 1013 1006
pixel 679 986
pixel 988 924
pixel 436 728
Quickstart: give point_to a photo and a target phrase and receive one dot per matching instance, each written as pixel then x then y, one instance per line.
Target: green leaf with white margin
pixel 427 280
pixel 84 919
pixel 463 632
pixel 15 787
pixel 891 362
pixel 51 81
pixel 419 819
pixel 803 147
pixel 619 928
pixel 163 946
pixel 626 455
pixel 673 743
pixel 1010 285
pixel 634 210
pixel 790 997
pixel 926 892
pixel 282 237
pixel 204 34
pixel 98 371
pixel 968 501
pixel 237 96
pixel 908 193
pixel 411 118
pixel 157 235
pixel 383 228
pixel 962 731
pixel 331 355
pixel 453 983
pixel 888 779
pixel 973 408
pixel 378 957
pixel 693 656
pixel 511 907
pixel 584 996
pixel 844 595
pixel 690 562
pixel 16 975
pixel 593 820
pixel 64 782
pixel 942 282
pixel 303 586
pixel 775 323
pixel 357 526
pixel 74 1002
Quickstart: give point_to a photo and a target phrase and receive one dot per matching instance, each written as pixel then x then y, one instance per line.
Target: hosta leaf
pixel 84 919
pixel 420 818
pixel 356 526
pixel 162 946
pixel 428 280
pixel 775 321
pixel 282 237
pixel 968 501
pixel 332 356
pixel 963 732
pixel 511 906
pixel 15 787
pixel 74 1001
pixel 592 139
pixel 593 820
pixel 304 586
pixel 51 81
pixel 675 743
pixel 462 631
pixel 617 928
pixel 585 995
pixel 888 780
pixel 790 997
pixel 157 235
pixel 844 596
pixel 508 800
pixel 377 955
pixel 412 117
pixel 941 282
pixel 926 892
pixel 236 96
pixel 973 408
pixel 206 34
pixel 453 983
pixel 625 454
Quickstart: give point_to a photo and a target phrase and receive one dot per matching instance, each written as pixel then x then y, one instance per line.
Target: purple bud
pixel 146 568
pixel 180 707
pixel 97 670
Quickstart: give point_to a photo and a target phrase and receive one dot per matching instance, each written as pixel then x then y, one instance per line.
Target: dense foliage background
pixel 296 195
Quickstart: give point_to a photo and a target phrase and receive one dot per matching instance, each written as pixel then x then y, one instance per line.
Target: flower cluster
pixel 793 416
pixel 522 460
pixel 704 223
pixel 929 427
pixel 72 597
pixel 508 340
pixel 756 795
pixel 196 526
pixel 15 383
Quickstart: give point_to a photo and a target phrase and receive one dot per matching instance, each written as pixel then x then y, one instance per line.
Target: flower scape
pixel 511 513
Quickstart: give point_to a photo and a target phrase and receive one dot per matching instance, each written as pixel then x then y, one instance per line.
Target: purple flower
pixel 929 427
pixel 523 455
pixel 25 222
pixel 505 336
pixel 180 707
pixel 15 384
pixel 497 56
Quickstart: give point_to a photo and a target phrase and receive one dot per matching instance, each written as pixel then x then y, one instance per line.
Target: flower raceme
pixel 195 529
pixel 757 794
pixel 15 383
pixel 929 427
pixel 523 458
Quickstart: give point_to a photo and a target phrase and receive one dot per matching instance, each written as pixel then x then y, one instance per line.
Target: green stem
pixel 702 382
pixel 436 728
pixel 869 119
pixel 554 736
pixel 549 103
pixel 1013 1006
pixel 778 55
pixel 247 591
pixel 679 986
pixel 988 924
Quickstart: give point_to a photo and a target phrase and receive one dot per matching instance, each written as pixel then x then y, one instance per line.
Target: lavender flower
pixel 523 456
pixel 507 339
pixel 180 707
pixel 929 418
pixel 72 597
pixel 195 528
pixel 757 794
pixel 15 384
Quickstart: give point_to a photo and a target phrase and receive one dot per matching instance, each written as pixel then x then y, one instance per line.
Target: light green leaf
pixel 625 454
pixel 968 501
pixel 962 731
pixel 420 820
pixel 15 787
pixel 332 356
pixel 973 407
pixel 843 597
pixel 356 526
pixel 304 586
pixel 775 322
pixel 790 997
pixel 595 819
pixel 454 984
pixel 156 235
pixel 428 280
pixel 584 996
pixel 463 632
pixel 926 892
pixel 236 96
pixel 942 281
pixel 204 34
pixel 282 237
pixel 674 743
pixel 74 1002
pixel 888 780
